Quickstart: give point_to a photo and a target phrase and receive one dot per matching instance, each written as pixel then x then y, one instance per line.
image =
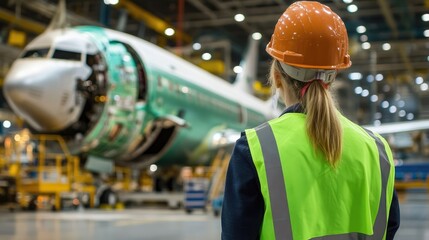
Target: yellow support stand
pixel 126 177
pixel 218 181
pixel 399 185
pixel 14 169
pixel 2 161
pixel 216 163
pixel 47 173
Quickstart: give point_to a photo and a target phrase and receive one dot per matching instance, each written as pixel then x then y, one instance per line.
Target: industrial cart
pixel 195 194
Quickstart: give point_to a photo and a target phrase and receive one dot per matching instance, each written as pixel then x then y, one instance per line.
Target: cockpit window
pixel 66 55
pixel 36 53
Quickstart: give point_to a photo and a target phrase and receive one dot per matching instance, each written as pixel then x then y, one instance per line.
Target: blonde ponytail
pixel 323 123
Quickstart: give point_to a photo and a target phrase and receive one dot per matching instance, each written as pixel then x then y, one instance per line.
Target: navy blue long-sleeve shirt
pixel 243 206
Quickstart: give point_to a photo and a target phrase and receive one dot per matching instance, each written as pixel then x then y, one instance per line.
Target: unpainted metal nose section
pixel 27 88
pixel 20 89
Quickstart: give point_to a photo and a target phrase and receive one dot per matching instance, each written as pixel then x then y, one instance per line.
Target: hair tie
pixel 305 88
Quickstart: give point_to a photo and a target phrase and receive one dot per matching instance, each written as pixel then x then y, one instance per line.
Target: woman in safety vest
pixel 310 173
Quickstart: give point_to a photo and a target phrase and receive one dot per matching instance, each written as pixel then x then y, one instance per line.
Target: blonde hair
pixel 323 123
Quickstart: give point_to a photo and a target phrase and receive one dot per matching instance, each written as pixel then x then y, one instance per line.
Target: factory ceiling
pixel 396 22
pixel 387 37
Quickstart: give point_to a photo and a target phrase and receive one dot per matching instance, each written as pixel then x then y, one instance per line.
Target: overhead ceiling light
pixel 419 80
pixel 365 93
pixel 402 113
pixel 361 29
pixel 256 35
pixel 239 17
pixel 410 116
pixel 196 46
pixel 401 103
pixel 355 76
pixel 425 17
pixel 374 98
pixel 7 124
pixel 238 69
pixel 426 33
pixel 370 78
pixel 153 168
pixel 206 56
pixel 347 1
pixel 352 8
pixel 386 46
pixel 366 45
pixel 379 77
pixel 111 2
pixel 424 87
pixel 364 38
pixel 385 104
pixel 358 90
pixel 169 32
pixel 393 109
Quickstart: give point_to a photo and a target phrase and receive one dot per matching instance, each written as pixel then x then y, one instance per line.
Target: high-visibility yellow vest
pixel 305 198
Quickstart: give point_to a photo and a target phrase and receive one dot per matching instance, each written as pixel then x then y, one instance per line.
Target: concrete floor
pixel 108 225
pixel 414 216
pixel 164 224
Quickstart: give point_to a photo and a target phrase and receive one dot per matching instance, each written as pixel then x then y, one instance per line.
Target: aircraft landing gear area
pixel 41 174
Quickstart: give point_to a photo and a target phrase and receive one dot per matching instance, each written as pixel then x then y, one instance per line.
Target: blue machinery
pixel 412 175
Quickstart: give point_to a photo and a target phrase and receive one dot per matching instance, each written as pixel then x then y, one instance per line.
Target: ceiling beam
pixel 152 21
pixel 228 11
pixel 205 10
pixel 49 10
pixel 23 23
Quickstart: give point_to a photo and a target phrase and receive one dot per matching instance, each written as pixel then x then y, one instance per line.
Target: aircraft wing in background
pixel 399 127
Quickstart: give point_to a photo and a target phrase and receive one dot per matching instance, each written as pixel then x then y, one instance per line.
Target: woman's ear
pixel 277 79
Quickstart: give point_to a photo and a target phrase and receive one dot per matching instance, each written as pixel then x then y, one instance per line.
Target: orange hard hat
pixel 310 35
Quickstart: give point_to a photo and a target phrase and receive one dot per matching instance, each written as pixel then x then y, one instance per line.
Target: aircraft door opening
pixel 141 74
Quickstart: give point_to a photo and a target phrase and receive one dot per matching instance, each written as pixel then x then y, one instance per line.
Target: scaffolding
pixel 43 166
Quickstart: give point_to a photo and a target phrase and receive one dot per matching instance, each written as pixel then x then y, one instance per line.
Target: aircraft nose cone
pixel 17 89
pixel 41 93
pixel 24 97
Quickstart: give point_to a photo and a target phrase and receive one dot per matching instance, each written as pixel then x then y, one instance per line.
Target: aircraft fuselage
pixel 121 98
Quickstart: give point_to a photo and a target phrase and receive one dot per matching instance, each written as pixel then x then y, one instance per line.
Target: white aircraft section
pixel 249 67
pixel 159 58
pixel 39 82
pixel 400 127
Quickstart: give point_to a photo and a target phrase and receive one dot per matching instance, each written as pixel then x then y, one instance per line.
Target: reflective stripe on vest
pixel 277 188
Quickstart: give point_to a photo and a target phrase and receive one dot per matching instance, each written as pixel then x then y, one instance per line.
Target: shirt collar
pixel 296 108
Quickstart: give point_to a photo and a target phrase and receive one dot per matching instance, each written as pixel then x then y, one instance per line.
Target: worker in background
pixel 310 173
